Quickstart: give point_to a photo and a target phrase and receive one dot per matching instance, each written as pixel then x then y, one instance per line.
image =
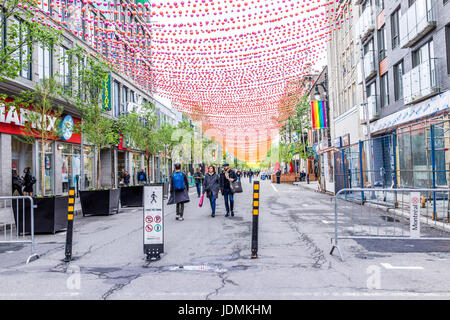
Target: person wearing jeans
pixel 179 191
pixel 226 177
pixel 211 186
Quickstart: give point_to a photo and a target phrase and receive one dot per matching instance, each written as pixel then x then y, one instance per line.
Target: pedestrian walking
pixel 278 174
pixel 250 175
pixel 29 181
pixel 198 178
pixel 179 191
pixel 142 177
pixel 226 177
pixel 211 187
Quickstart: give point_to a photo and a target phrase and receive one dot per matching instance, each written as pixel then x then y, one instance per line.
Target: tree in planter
pixel 164 138
pixel 97 128
pixel 140 128
pixel 23 30
pixel 39 116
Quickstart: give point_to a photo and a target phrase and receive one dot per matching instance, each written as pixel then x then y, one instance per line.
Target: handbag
pixel 201 200
pixel 236 186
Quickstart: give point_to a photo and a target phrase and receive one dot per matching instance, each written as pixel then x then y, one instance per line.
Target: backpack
pixel 33 180
pixel 178 181
pixel 141 177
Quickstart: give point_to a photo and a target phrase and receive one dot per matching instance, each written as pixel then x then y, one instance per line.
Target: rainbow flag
pixel 318 114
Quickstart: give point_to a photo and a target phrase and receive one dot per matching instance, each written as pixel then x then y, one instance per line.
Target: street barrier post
pixel 255 219
pixel 69 233
pixel 153 230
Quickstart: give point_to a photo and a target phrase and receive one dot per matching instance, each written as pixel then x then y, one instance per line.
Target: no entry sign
pixel 153 220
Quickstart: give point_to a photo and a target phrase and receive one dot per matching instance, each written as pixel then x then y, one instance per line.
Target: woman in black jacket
pixel 211 186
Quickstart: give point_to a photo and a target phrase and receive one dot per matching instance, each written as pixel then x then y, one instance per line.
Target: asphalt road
pixel 209 258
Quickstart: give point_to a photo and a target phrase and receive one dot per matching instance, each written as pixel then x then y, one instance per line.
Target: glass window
pixel 70 171
pixel 88 158
pixel 116 98
pixel 381 43
pixel 424 53
pixel 65 70
pixel 395 28
pixel 124 99
pixel 45 56
pixel 384 90
pixel 48 167
pixel 398 81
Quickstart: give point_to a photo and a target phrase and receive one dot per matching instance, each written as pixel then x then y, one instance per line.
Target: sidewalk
pixel 7 215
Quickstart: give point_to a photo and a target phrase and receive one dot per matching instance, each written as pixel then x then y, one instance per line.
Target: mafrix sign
pixel 153 221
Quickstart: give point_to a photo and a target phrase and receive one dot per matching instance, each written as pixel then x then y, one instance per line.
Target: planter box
pixel 50 216
pixel 131 196
pixel 100 202
pixel 286 177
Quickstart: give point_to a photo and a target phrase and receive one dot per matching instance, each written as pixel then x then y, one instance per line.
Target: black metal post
pixel 69 233
pixel 255 220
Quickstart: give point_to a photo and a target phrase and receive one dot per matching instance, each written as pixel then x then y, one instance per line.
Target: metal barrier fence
pixel 355 219
pixel 22 230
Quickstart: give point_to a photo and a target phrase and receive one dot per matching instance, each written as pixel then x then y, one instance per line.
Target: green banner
pixel 106 95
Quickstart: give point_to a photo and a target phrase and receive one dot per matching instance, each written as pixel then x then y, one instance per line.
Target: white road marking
pixel 326 222
pixel 274 187
pixel 391 267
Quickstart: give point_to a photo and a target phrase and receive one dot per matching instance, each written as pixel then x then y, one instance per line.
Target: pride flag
pixel 318 114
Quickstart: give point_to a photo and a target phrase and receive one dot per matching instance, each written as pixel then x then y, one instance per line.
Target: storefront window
pixel 88 158
pixel 120 165
pixel 135 167
pixel 70 171
pixel 48 167
pixel 22 155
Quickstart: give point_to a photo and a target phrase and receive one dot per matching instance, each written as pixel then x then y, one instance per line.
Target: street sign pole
pixel 255 220
pixel 153 218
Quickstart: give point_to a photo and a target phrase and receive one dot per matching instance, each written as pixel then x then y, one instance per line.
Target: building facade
pixel 71 162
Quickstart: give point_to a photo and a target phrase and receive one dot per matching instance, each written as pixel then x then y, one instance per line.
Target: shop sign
pixel 106 93
pixel 66 128
pixel 13 119
pixel 337 142
pixel 346 140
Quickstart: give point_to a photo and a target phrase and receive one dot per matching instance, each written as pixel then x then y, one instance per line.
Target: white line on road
pixel 391 267
pixel 274 187
pixel 326 222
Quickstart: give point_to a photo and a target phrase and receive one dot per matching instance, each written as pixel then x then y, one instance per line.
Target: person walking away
pixel 29 181
pixel 198 178
pixel 211 187
pixel 179 191
pixel 142 177
pixel 17 184
pixel 250 175
pixel 278 174
pixel 226 177
pixel 239 174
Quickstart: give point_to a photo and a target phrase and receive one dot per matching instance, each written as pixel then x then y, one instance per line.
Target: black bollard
pixel 69 232
pixel 255 220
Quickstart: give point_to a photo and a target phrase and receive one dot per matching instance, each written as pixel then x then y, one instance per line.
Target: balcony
pixel 366 23
pixel 369 65
pixel 372 102
pixel 417 22
pixel 421 82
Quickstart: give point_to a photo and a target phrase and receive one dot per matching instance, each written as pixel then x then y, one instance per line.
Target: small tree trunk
pixel 42 167
pixel 99 170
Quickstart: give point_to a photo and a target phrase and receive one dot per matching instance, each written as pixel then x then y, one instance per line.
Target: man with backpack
pixel 179 191
pixel 142 177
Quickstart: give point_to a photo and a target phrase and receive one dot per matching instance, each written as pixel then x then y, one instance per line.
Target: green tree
pixel 165 142
pixel 140 128
pixel 40 117
pixel 20 30
pixel 97 127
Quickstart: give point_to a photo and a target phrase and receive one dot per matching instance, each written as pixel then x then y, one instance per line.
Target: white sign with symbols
pixel 153 215
pixel 414 219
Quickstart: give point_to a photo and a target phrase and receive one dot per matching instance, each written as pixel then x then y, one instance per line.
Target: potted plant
pixel 139 126
pixel 97 127
pixel 41 120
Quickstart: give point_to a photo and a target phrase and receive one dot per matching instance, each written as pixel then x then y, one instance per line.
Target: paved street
pixel 209 258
